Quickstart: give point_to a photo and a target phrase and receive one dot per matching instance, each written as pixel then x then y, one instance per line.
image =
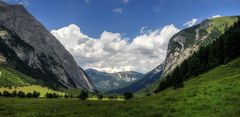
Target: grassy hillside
pixel 221 23
pixel 214 93
pixel 12 80
pixel 10 77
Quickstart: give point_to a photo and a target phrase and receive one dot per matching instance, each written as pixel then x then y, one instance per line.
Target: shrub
pixel 83 95
pixel 29 95
pixel 110 97
pixel 35 94
pixel 127 95
pixel 100 96
pixel 14 93
pixel 21 94
pixel 6 94
pixel 149 94
pixel 66 96
pixel 52 95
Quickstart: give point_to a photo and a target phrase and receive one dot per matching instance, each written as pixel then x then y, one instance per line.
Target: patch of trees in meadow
pixel 220 52
pixel 20 94
pixel 82 96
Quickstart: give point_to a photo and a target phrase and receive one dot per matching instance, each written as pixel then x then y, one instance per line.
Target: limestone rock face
pixel 25 40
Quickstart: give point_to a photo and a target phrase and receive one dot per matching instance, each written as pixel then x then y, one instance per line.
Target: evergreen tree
pixel 29 95
pixel 100 96
pixel 127 95
pixel 66 96
pixel 193 66
pixel 14 93
pixel 35 94
pixel 83 95
pixel 177 78
pixel 6 94
pixel 21 94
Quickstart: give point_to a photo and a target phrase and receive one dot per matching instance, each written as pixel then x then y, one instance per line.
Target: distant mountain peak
pixel 108 81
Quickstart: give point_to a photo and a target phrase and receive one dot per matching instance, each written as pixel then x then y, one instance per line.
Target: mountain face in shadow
pixel 30 48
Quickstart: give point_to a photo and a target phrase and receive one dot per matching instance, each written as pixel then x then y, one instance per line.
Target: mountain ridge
pixel 107 81
pixel 142 83
pixel 37 49
pixel 187 41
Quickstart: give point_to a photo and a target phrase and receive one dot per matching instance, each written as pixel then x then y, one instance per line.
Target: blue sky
pixel 95 16
pixel 122 35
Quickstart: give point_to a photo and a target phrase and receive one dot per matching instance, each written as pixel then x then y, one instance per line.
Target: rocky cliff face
pixel 25 41
pixel 186 42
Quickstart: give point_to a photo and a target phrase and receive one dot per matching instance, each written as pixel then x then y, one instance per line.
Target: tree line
pixel 20 94
pixel 82 96
pixel 224 49
pixel 85 94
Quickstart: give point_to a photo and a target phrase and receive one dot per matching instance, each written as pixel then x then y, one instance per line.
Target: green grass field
pixel 213 94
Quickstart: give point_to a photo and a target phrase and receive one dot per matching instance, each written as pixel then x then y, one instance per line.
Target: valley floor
pixel 215 93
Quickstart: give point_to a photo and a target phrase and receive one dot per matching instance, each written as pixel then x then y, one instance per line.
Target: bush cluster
pixel 20 94
pixel 52 95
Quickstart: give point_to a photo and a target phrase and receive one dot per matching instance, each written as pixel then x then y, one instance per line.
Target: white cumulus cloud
pixel 112 53
pixel 22 2
pixel 124 1
pixel 215 16
pixel 118 10
pixel 191 22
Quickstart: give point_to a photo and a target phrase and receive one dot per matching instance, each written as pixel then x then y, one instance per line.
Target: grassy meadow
pixel 215 94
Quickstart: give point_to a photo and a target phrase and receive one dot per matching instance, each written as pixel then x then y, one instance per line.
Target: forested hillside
pixel 225 48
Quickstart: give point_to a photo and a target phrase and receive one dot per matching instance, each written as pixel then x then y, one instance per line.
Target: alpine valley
pixel 40 77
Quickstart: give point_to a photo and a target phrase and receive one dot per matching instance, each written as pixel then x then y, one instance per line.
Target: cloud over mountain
pixel 111 52
pixel 191 22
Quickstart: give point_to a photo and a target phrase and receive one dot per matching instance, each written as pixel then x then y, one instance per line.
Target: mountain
pixel 144 82
pixel 188 41
pixel 26 45
pixel 108 81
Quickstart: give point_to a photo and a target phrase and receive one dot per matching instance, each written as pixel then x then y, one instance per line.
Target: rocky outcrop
pixel 25 41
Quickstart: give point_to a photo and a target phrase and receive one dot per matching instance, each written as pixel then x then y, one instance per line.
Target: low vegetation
pixel 214 93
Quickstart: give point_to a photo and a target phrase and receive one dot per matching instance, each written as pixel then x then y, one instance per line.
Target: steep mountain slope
pixel 144 82
pixel 215 93
pixel 29 47
pixel 186 42
pixel 109 81
pixel 224 49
